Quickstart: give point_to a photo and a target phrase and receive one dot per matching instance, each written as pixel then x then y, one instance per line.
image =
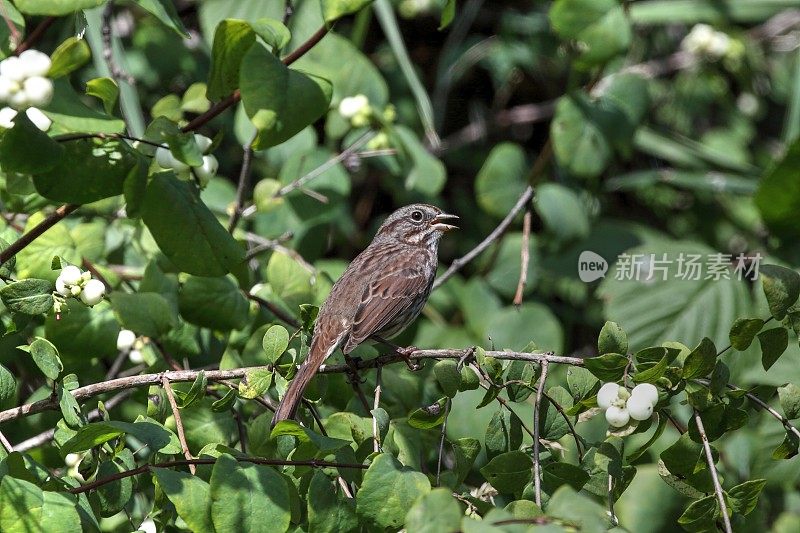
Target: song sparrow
pixel 381 292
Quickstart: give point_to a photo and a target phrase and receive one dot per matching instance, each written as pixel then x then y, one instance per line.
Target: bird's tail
pixel 287 408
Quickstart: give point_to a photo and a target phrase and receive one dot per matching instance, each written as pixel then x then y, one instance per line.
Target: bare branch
pixel 241 188
pixel 178 422
pixel 376 437
pixel 116 72
pixel 537 467
pixel 524 258
pixel 726 520
pixel 441 441
pixel 16 246
pixel 33 37
pixel 526 197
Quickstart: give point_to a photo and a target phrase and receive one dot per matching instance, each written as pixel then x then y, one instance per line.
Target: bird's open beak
pixel 438 222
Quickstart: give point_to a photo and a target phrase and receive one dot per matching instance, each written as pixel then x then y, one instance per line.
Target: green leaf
pixel 305 435
pixel 600 26
pixel 289 280
pixel 155 436
pixel 226 402
pixel 650 372
pixel 70 55
pixel 335 9
pixel 424 173
pixel 26 149
pixel 113 497
pixel 106 90
pixel 557 473
pixel 215 303
pixel 509 472
pixel 232 39
pixel 700 515
pixel 524 372
pixel 273 32
pixel 185 230
pixel 448 13
pixel 197 391
pixel 700 361
pixel 781 287
pixel 789 396
pixel 744 497
pixel 329 511
pixel 448 376
pixel 145 313
pixel 84 333
pixel 612 339
pixel 275 342
pixel 70 409
pixel 21 505
pixel 190 495
pixel 608 367
pixel 501 180
pixel 164 10
pixel 247 497
pixel 773 343
pixel 778 195
pixel 503 434
pixel 29 296
pixel 388 491
pixel 54 7
pixel 788 448
pixel 255 383
pixel 45 355
pixel 88 170
pixel 744 331
pixel 60 513
pixel 8 385
pixel 581 383
pixel 682 457
pixel 70 114
pixel 434 512
pixel 429 416
pixel 562 212
pixel 279 101
pixel 578 140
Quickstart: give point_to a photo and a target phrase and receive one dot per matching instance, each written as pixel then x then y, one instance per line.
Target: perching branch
pixel 726 520
pixel 178 422
pixel 537 468
pixel 169 464
pixel 143 380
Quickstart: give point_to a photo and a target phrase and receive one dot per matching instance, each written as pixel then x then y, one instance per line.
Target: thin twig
pixel 116 72
pixel 344 154
pixel 376 436
pixel 33 37
pixel 141 380
pixel 441 441
pixel 537 467
pixel 7 445
pixel 611 513
pixel 244 183
pixel 59 214
pixel 524 258
pixel 178 422
pixel 234 97
pixel 493 236
pixel 315 463
pixel 726 521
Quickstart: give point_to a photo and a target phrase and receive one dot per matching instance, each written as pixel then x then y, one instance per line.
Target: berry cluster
pixel 24 86
pixel 203 172
pixel 72 282
pixel 129 343
pixel 622 405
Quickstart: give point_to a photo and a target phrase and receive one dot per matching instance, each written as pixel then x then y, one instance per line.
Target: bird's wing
pixel 383 300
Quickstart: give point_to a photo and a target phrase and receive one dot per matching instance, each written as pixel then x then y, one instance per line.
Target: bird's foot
pixel 353 377
pixel 405 352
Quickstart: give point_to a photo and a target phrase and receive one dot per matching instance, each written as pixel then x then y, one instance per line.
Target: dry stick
pixel 4 441
pixel 537 468
pixel 178 422
pixel 493 236
pixel 713 469
pixel 52 219
pixel 142 380
pixel 524 258
pixel 95 414
pixel 234 97
pixel 344 154
pixel 376 447
pixel 282 315
pixel 169 464
pixel 441 440
pixel 34 36
pixel 241 188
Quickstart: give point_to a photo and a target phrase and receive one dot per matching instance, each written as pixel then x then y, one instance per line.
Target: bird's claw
pixel 405 353
pixel 353 377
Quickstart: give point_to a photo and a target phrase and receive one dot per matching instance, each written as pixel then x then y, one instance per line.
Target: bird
pixel 381 292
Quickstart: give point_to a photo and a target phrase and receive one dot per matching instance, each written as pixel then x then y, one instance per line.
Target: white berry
pixel 13 69
pixel 39 119
pixel 203 142
pixel 353 105
pixel 70 274
pixel 648 391
pixel 7 116
pixel 639 407
pixel 135 357
pixel 207 170
pixel 148 526
pixel 19 100
pixel 61 288
pixel 617 417
pixel 35 63
pixel 93 292
pixel 125 340
pixel 165 159
pixel 39 90
pixel 8 87
pixel 72 459
pixel 607 394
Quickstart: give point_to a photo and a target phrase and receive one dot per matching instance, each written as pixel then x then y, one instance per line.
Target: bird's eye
pixel 416 216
